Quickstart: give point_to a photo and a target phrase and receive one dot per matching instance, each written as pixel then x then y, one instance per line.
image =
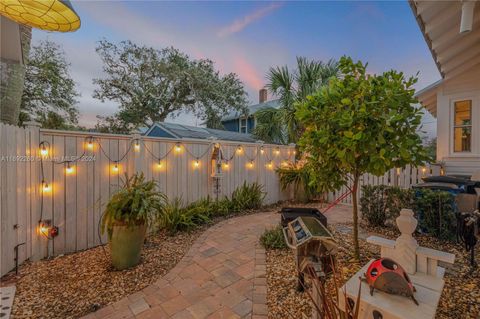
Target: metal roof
pixel 194 132
pixel 252 109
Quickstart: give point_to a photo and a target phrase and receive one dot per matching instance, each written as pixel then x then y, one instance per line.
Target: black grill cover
pixel 291 213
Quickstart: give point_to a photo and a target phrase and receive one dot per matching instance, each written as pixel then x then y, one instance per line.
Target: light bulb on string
pixel 178 147
pixel 43 149
pixel 69 169
pixel 270 164
pixel 137 146
pixel 45 187
pixel 115 167
pixel 226 164
pixel 90 143
pixel 239 149
pixel 159 164
pixel 196 163
pixel 277 151
pixel 262 150
pixel 251 164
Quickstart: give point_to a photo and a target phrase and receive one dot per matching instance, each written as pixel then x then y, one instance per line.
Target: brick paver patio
pixel 222 276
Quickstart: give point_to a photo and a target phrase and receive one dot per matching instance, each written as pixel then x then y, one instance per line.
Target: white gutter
pixel 466 23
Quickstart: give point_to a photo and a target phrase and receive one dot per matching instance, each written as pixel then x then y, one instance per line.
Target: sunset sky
pixel 247 38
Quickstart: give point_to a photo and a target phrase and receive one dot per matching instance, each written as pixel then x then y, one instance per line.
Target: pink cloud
pixel 240 24
pixel 247 72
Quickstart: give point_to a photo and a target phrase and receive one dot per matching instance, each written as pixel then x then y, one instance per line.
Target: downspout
pixel 466 23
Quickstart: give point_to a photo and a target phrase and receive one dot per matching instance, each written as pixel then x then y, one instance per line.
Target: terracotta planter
pixel 126 244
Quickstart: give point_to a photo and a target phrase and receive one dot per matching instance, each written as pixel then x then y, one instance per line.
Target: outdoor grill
pixel 314 247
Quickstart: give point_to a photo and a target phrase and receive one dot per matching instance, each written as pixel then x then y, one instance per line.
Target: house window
pixel 243 125
pixel 462 126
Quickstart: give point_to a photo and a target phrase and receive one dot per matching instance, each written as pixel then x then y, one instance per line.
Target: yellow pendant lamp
pixel 50 15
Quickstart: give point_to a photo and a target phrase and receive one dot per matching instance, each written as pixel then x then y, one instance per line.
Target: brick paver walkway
pixel 222 276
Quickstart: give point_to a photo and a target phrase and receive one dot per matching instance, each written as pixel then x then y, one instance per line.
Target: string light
pixel 178 148
pixel 45 187
pixel 44 229
pixel 225 165
pixel 250 164
pixel 115 168
pixel 239 149
pixel 43 149
pixel 270 164
pixel 262 150
pixel 424 170
pixel 277 151
pixel 137 146
pixel 90 143
pixel 196 163
pixel 159 164
pixel 69 169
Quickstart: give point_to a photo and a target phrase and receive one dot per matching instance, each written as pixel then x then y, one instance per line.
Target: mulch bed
pixel 73 285
pixel 460 297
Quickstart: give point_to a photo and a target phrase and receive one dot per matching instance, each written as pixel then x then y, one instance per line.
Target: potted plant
pixel 129 212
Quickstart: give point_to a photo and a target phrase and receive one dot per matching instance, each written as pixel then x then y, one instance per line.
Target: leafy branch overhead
pixel 151 84
pixel 49 94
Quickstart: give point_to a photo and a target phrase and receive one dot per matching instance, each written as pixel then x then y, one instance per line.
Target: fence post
pixel 39 245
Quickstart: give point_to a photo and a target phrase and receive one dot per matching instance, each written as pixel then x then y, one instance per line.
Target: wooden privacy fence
pixel 403 178
pixel 72 181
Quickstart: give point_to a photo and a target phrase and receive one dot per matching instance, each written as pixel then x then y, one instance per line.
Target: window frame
pixel 240 126
pixel 454 126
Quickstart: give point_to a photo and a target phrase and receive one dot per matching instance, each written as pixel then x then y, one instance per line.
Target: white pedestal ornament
pixel 420 263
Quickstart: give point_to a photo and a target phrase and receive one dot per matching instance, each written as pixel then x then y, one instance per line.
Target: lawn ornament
pixel 386 275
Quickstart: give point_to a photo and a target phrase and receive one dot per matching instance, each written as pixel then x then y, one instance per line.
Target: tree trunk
pixel 355 217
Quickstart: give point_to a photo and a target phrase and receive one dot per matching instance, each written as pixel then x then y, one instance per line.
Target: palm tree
pixel 280 125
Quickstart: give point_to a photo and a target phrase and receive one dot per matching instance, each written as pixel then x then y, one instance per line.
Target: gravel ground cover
pixel 73 285
pixel 460 297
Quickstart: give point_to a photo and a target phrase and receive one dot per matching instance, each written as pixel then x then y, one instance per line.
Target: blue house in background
pixel 237 122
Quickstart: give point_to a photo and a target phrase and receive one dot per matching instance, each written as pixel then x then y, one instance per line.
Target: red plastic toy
pixel 386 275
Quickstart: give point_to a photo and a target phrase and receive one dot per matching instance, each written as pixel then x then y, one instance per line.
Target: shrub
pixel 381 204
pixel 435 210
pixel 299 177
pixel 176 218
pixel 374 205
pixel 436 213
pixel 180 217
pixel 247 197
pixel 273 238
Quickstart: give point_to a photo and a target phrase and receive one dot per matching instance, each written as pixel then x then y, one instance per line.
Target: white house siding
pixel 463 87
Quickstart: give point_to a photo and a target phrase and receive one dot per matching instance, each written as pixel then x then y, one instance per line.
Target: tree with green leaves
pixel 151 84
pixel 49 95
pixel 360 123
pixel 281 125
